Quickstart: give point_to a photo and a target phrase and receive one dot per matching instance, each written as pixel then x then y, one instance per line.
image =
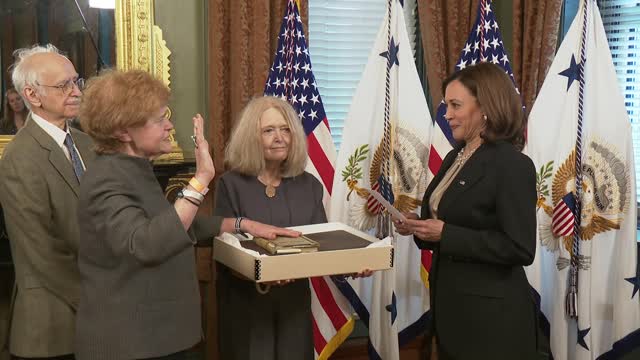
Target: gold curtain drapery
pixel 536 24
pixel 444 27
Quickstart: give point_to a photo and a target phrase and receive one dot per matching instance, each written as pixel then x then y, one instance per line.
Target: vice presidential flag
pixel 291 78
pixel 580 142
pixel 385 148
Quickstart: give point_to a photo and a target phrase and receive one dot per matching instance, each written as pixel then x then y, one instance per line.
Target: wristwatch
pixel 190 194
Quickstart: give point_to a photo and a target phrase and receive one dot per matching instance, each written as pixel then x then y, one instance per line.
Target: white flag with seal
pixel 386 148
pixel 579 137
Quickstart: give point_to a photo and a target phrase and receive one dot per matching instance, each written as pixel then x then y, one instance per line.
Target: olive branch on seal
pixel 353 172
pixel 546 171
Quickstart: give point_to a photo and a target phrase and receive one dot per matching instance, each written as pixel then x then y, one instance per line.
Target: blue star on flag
pixel 636 284
pixel 635 280
pixel 572 72
pixel 581 335
pixel 392 308
pixel 392 53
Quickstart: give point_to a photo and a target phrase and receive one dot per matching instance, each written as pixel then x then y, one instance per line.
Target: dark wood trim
pixel 356 349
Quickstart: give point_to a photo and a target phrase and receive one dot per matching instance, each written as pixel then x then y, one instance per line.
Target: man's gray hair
pixel 23 76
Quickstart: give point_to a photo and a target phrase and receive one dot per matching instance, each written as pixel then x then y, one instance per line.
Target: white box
pixel 262 268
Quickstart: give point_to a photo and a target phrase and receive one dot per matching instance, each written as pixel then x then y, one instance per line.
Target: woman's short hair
pixel 116 100
pixel 497 97
pixel 245 152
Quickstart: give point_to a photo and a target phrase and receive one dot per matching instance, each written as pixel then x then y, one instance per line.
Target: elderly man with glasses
pixel 39 179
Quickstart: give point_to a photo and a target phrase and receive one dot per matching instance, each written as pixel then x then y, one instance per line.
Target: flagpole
pixel 572 293
pixel 383 223
pixel 482 22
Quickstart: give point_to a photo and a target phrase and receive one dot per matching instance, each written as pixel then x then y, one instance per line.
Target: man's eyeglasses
pixel 67 87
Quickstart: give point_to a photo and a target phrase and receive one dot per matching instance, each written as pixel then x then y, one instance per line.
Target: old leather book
pixel 287 245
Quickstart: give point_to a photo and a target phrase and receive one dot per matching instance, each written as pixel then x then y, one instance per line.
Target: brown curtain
pixel 243 36
pixel 444 27
pixel 535 36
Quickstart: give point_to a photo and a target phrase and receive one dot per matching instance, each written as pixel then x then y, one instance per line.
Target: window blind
pixel 621 19
pixel 341 35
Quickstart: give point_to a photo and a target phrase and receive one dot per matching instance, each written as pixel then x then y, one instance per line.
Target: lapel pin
pixel 462 182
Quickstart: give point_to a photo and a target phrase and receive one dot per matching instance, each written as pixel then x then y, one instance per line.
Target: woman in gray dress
pixel 266 156
pixel 140 296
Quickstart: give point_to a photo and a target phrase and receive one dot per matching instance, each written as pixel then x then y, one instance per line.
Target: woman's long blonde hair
pixel 245 152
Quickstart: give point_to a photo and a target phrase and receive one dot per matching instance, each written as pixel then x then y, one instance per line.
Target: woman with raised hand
pixel 140 297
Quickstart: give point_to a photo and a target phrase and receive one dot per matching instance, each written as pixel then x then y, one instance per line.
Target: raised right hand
pixel 205 171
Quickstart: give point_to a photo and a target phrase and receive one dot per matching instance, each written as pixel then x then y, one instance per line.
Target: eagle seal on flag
pixel 605 201
pixel 409 154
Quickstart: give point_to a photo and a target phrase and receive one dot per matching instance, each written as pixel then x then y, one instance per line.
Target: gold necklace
pixel 461 158
pixel 270 189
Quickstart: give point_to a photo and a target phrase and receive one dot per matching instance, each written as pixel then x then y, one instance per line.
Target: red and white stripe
pixel 374 205
pixel 332 317
pixel 563 220
pixel 440 147
pixel 332 314
pixel 322 157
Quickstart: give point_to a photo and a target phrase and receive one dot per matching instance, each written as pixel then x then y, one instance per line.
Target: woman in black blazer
pixel 478 217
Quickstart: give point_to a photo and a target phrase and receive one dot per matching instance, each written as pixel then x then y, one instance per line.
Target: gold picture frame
pixel 4 140
pixel 140 45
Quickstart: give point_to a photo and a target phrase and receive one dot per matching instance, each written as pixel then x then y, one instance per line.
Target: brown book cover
pixel 327 240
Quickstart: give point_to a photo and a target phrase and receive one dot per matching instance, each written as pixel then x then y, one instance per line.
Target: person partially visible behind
pixel 15 113
pixel 40 173
pixel 140 297
pixel 479 218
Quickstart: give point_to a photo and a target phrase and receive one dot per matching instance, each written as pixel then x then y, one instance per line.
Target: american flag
pixel 291 79
pixel 563 218
pixel 484 44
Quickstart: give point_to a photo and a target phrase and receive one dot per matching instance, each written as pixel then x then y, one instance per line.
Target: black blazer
pixel 480 298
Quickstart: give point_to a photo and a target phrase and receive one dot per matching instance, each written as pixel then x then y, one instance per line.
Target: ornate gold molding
pixel 139 45
pixel 4 140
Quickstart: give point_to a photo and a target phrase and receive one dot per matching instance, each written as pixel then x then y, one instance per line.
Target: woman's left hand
pixel 426 230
